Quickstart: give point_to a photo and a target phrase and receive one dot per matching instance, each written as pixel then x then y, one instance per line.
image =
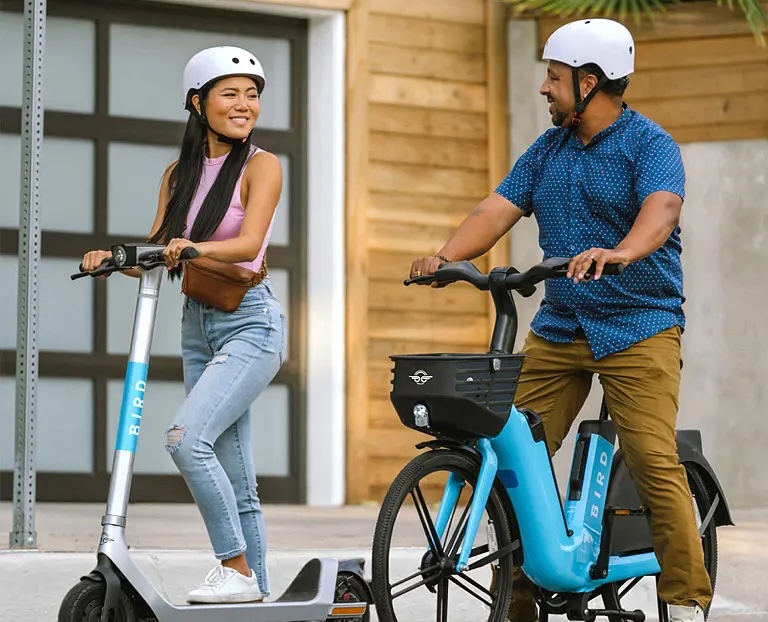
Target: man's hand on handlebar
pixel 424 266
pixel 577 268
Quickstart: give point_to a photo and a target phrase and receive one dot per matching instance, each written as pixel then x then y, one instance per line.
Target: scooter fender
pixel 356 566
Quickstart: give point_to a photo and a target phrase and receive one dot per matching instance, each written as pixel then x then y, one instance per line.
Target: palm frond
pixel 753 11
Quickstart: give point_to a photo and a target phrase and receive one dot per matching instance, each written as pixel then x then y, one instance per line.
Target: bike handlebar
pixel 122 260
pixel 523 282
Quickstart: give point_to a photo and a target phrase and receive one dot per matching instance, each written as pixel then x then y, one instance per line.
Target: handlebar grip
pixel 427 278
pixel 609 269
pixel 188 253
pixel 104 267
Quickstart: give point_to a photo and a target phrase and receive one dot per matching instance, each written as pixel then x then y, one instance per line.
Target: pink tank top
pixel 230 225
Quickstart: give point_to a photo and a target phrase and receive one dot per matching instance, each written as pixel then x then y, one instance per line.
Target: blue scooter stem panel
pixel 132 406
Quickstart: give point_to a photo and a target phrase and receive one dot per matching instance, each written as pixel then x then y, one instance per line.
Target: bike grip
pixel 188 253
pixel 613 269
pixel 79 275
pixel 427 278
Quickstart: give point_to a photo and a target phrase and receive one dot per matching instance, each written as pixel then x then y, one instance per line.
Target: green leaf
pixel 753 11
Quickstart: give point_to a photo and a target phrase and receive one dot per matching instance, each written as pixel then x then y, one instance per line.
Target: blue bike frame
pixel 560 543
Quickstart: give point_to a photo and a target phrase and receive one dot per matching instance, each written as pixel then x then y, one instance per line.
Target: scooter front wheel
pixel 85 601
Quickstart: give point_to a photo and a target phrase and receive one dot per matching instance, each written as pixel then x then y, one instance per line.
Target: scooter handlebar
pixel 147 261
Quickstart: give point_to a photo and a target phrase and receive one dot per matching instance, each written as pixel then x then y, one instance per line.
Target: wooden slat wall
pixel 700 73
pixel 423 100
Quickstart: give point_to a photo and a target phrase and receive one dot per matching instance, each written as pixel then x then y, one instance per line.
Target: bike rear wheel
pixel 613 593
pixel 412 576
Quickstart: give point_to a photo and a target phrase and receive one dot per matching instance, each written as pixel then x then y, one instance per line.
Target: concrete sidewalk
pixel 170 545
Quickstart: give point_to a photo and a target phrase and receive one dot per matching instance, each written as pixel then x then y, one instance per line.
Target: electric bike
pixel 593 544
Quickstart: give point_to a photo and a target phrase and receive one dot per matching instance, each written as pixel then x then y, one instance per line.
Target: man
pixel 606 185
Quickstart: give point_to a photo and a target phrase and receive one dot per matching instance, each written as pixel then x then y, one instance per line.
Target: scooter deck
pixel 309 598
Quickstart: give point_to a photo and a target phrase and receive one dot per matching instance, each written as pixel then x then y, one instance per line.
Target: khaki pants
pixel 641 387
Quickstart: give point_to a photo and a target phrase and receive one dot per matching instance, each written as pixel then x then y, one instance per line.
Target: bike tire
pixel 417 469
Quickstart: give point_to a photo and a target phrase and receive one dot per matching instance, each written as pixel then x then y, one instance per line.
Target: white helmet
pixel 604 42
pixel 220 62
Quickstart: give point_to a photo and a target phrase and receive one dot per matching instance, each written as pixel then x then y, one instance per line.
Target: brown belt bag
pixel 219 284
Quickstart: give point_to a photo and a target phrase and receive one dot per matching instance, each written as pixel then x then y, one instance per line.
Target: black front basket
pixel 458 396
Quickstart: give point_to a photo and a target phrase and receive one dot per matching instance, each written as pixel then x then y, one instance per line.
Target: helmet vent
pixel 235 60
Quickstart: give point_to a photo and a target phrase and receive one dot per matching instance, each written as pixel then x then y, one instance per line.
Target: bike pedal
pixel 637 615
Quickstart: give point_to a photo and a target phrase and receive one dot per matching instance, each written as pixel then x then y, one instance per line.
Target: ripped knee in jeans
pixel 174 436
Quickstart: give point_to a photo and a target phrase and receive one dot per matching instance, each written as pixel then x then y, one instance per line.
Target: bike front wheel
pixel 412 570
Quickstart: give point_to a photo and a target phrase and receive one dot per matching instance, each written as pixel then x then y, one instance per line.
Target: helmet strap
pixel 204 120
pixel 582 104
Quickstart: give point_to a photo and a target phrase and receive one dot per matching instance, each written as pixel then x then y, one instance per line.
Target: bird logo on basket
pixel 420 377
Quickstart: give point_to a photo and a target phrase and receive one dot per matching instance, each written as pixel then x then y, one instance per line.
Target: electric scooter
pixel 116 590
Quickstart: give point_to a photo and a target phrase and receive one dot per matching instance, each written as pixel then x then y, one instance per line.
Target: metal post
pixel 23 534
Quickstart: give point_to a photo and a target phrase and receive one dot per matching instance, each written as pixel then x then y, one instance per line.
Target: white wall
pixel 725 248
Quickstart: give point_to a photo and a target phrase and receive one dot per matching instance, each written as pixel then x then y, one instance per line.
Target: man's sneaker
pixel 681 613
pixel 226 585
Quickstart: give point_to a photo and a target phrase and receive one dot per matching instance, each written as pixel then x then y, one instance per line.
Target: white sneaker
pixel 681 613
pixel 226 585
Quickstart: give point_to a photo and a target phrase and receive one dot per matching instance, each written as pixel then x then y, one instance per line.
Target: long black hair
pixel 184 180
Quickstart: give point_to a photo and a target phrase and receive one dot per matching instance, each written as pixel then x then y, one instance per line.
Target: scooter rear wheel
pixel 351 588
pixel 84 602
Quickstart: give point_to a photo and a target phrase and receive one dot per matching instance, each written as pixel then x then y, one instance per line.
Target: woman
pixel 220 198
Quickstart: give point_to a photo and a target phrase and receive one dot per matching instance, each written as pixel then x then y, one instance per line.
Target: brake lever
pixel 151 260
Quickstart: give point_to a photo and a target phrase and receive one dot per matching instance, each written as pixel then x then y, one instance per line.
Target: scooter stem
pixel 133 396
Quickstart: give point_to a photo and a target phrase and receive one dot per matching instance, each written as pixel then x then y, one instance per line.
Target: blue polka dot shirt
pixel 585 196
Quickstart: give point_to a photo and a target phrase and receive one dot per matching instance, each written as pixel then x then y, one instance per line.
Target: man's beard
pixel 559 118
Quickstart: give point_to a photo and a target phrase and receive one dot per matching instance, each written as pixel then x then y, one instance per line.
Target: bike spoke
pixel 632 584
pixel 505 550
pixel 475 584
pixel 458 535
pixel 426 522
pixel 420 573
pixel 708 518
pixel 442 600
pixel 411 588
pixel 453 514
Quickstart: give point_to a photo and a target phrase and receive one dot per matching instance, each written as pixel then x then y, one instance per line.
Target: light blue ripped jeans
pixel 229 359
